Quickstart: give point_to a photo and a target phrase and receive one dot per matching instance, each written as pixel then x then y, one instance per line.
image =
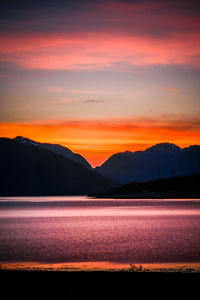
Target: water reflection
pixel 99 230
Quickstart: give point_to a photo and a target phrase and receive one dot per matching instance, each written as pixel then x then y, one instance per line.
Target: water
pixel 78 229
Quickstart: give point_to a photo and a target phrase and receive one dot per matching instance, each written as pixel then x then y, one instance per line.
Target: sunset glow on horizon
pixel 96 140
pixel 101 77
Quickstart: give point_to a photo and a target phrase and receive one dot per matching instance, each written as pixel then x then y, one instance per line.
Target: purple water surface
pixel 75 229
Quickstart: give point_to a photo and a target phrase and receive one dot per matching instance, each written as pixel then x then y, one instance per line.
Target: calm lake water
pixel 80 229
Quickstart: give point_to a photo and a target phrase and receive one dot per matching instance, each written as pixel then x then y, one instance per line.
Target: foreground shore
pixel 159 283
pixel 102 267
pixel 154 282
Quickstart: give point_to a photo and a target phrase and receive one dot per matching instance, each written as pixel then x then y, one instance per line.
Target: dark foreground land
pixel 101 283
pixel 182 187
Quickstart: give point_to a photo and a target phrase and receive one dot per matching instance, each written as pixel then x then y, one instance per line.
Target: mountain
pixel 159 161
pixel 174 187
pixel 30 170
pixel 57 149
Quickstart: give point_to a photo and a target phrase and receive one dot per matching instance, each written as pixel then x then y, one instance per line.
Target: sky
pixel 101 77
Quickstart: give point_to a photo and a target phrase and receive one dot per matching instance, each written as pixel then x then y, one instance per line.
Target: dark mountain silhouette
pixel 57 149
pixel 174 187
pixel 160 161
pixel 30 170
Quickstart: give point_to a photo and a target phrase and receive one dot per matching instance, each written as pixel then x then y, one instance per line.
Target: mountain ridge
pixel 27 170
pixel 162 160
pixel 57 148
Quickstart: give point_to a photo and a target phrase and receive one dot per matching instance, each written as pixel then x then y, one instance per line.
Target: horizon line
pixel 92 165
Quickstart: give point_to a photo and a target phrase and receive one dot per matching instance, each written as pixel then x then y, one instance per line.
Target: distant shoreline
pixel 148 196
pixel 163 188
pixel 115 196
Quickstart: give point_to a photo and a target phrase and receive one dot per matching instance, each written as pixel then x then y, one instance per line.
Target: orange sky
pixel 97 140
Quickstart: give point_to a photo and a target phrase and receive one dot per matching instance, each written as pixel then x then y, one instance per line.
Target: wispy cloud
pixel 167 89
pixel 93 101
pixel 58 52
pixel 105 34
pixel 101 34
pixel 95 92
pixel 64 100
pixel 82 92
pixel 169 122
pixel 6 76
pixel 55 89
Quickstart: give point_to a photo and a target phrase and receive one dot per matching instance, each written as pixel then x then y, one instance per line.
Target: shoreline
pixel 102 282
pixel 184 267
pixel 146 196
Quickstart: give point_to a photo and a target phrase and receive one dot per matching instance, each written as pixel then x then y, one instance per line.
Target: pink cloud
pixel 96 51
pixel 89 92
pixel 93 101
pixel 122 35
pixel 168 89
pixel 64 100
pixel 158 15
pixel 6 76
pixel 55 89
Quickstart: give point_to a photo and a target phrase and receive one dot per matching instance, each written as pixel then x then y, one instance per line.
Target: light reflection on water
pixel 86 199
pixel 96 212
pixel 76 229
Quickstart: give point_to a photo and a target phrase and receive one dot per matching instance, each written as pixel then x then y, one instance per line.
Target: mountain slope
pixel 160 161
pixel 174 187
pixel 56 148
pixel 30 170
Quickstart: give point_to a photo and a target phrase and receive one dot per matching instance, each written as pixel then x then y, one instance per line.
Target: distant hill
pixel 163 160
pixel 30 170
pixel 175 187
pixel 59 149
